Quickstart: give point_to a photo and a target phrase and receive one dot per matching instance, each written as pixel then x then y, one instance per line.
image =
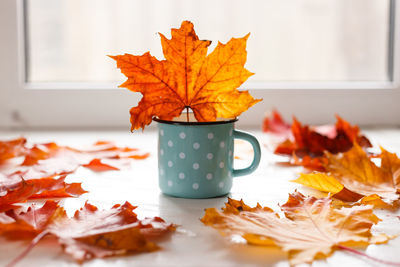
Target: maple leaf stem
pixel 354 251
pixel 28 249
pixel 187 114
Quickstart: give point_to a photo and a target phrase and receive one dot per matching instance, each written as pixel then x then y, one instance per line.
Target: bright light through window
pixel 303 40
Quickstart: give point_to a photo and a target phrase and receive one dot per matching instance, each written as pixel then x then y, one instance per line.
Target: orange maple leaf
pixel 188 78
pixel 90 233
pixel 14 189
pixel 30 223
pixel 353 175
pixel 98 166
pixel 101 233
pixel 311 227
pixel 12 148
pixel 55 187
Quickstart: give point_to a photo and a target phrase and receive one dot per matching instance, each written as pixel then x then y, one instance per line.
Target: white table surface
pixel 193 244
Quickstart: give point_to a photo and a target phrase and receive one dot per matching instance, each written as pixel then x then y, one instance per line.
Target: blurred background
pixel 302 40
pixel 311 58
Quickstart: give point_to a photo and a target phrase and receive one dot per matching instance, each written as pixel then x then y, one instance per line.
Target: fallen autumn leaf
pixel 311 227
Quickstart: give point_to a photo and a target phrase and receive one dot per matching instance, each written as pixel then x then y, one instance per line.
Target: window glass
pixel 302 40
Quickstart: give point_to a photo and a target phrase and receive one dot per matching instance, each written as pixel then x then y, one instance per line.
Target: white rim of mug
pixel 194 123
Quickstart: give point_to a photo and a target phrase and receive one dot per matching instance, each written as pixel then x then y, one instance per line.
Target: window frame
pixel 94 105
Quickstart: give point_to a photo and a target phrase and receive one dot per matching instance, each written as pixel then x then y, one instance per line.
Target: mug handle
pixel 257 153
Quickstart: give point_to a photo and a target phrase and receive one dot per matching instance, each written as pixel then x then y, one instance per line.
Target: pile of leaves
pixel 312 228
pixel 188 78
pixel 306 145
pixel 353 176
pixel 342 167
pixel 38 171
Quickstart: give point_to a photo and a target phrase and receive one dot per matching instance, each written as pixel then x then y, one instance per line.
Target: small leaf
pixel 98 166
pixel 18 192
pixel 11 149
pixel 273 123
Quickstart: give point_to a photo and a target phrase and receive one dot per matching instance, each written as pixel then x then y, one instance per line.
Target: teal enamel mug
pixel 195 159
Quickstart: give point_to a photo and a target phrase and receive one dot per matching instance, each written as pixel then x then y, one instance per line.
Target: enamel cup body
pixel 195 160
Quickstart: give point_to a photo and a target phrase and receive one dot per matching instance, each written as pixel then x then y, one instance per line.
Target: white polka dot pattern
pixel 194 161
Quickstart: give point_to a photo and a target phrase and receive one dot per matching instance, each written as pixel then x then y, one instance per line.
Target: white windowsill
pixel 193 244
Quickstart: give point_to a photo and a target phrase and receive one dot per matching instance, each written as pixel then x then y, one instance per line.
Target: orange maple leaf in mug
pixel 188 78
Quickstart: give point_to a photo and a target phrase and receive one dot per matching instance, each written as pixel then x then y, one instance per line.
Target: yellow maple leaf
pixel 311 227
pixel 352 175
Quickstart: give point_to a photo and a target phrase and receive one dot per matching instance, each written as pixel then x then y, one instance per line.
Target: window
pixel 312 58
pixel 290 41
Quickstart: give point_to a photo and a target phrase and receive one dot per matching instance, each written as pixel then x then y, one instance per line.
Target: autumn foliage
pixel 12 148
pixel 90 233
pixel 307 144
pixel 310 227
pixel 188 78
pixel 274 123
pixel 353 176
pixel 39 170
pixel 306 228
